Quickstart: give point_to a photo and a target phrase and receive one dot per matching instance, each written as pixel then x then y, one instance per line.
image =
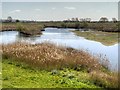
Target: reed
pixel 50 56
pixel 29 29
pixel 28 26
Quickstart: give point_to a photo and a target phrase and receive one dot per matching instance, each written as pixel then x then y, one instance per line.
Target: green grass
pixel 106 38
pixel 16 75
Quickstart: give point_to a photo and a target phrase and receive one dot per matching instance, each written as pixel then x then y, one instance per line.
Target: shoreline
pixel 102 37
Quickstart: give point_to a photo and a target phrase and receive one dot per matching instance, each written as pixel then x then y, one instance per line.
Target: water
pixel 66 38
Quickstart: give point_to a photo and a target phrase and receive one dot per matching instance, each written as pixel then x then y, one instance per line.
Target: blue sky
pixel 43 11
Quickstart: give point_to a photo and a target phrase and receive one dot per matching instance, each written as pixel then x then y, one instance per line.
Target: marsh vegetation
pixel 106 38
pixel 58 65
pixel 29 29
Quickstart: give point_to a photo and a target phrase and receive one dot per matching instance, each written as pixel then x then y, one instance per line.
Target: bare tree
pixel 87 19
pixel 72 19
pixel 82 19
pixel 103 19
pixel 76 19
pixel 9 19
pixel 114 19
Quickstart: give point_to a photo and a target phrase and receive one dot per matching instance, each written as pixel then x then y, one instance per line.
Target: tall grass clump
pixel 29 28
pixel 106 80
pixel 50 56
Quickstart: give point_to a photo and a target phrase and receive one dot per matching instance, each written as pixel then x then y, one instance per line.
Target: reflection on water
pixel 66 38
pixel 21 37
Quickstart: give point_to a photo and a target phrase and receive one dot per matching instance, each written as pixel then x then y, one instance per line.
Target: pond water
pixel 66 38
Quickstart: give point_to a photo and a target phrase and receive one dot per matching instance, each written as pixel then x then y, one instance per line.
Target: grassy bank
pixel 28 29
pixel 106 38
pixel 16 75
pixel 20 75
pixel 48 66
pixel 97 26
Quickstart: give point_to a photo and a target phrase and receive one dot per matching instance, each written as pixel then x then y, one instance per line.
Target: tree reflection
pixel 21 38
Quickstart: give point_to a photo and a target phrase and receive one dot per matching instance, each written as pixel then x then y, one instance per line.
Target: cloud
pixel 70 8
pixel 37 9
pixel 15 11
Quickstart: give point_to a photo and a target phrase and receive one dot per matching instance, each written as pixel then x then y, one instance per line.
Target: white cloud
pixel 15 11
pixel 37 9
pixel 70 8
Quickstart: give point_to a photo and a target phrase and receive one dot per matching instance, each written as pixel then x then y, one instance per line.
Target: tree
pixel 9 19
pixel 114 20
pixel 118 25
pixel 88 19
pixel 85 19
pixel 82 20
pixel 103 19
pixel 76 19
pixel 17 20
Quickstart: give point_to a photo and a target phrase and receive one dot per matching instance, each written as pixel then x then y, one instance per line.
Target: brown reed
pixel 49 56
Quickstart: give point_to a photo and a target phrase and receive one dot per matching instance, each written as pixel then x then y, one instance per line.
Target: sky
pixel 57 11
pixel 59 0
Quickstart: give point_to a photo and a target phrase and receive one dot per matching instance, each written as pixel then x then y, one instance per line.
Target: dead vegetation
pixel 47 56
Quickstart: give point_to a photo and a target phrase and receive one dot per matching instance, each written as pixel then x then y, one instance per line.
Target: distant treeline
pixel 99 26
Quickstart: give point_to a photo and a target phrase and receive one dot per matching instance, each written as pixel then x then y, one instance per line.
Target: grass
pixel 49 66
pixel 28 26
pixel 24 28
pixel 106 38
pixel 20 75
pixel 29 29
pixel 16 75
pixel 7 26
pixel 0 74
